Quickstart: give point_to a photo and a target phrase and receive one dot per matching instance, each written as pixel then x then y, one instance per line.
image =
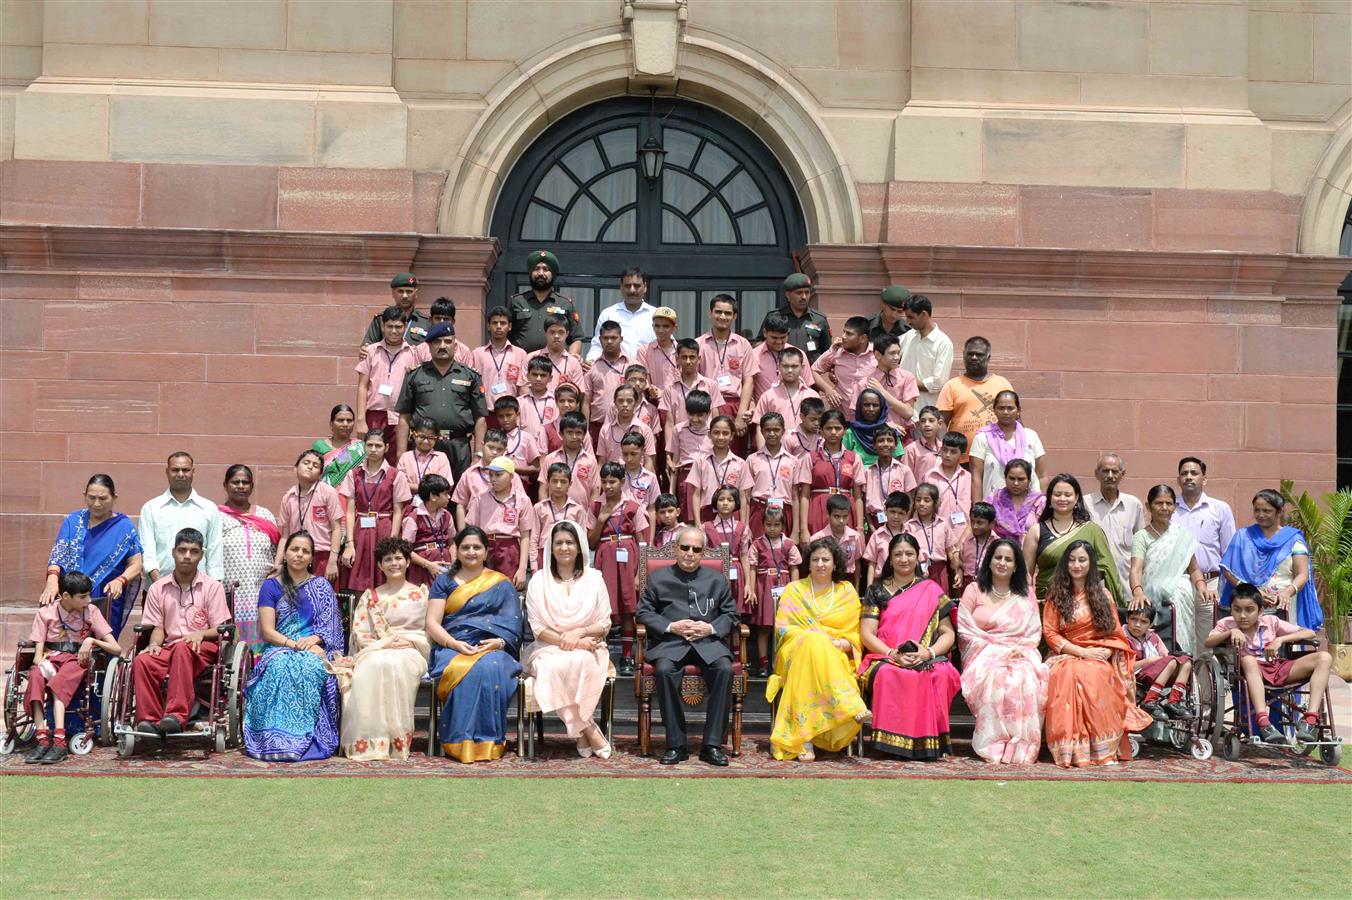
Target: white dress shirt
pixel 930 360
pixel 636 328
pixel 1120 520
pixel 163 517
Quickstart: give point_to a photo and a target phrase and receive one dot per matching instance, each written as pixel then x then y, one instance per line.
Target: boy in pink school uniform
pixel 807 437
pixel 723 358
pixel 65 634
pixel 763 366
pixel 636 377
pixel 617 525
pixel 500 363
pixel 380 377
pixel 538 403
pixel 557 506
pixel 922 454
pixel 568 399
pixel 183 609
pixel 640 482
pixel 623 420
pixel 429 527
pixel 851 541
pixel 770 472
pixel 884 477
pixel 566 367
pixel 606 374
pixel 659 356
pixel 896 510
pixel 953 481
pixel 976 539
pixel 505 513
pixel 667 522
pixel 523 448
pixel 477 479
pixel 717 469
pixel 689 444
pixel 785 396
pixel 841 370
pixel 313 505
pixel 424 459
pixel 443 310
pixel 672 405
pixel 897 385
pixel 583 467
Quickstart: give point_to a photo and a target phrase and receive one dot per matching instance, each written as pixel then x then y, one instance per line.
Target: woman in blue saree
pixel 102 544
pixel 292 695
pixel 474 622
pixel 1274 557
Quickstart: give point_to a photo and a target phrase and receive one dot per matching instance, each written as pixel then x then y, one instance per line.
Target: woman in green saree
pixel 342 452
pixel 1064 521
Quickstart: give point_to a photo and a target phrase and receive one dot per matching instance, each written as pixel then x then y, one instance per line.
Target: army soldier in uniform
pixel 891 317
pixel 808 329
pixel 449 393
pixel 529 309
pixel 404 288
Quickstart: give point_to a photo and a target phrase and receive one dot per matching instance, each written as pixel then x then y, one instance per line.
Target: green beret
pixel 797 281
pixel 896 296
pixel 404 279
pixel 542 256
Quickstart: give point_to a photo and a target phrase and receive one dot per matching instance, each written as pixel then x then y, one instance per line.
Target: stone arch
pixel 747 89
pixel 1325 208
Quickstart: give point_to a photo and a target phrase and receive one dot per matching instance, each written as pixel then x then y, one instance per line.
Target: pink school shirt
pixel 689 445
pixel 779 399
pixel 710 474
pixel 934 539
pixel 319 511
pixel 725 363
pixel 471 484
pixel 972 550
pixel 673 397
pixel 385 372
pixel 401 492
pixel 546 514
pixel 801 444
pixel 414 466
pixel 181 612
pixel 900 383
pixel 599 384
pixel 500 370
pixel 612 432
pixel 442 524
pixel 762 366
pixel 646 413
pixel 1269 627
pixel 663 370
pixel 508 518
pixel 875 551
pixel 850 370
pixel 851 544
pixel 766 555
pixel 616 520
pixel 641 488
pixel 53 625
pixel 921 459
pixel 460 352
pixel 586 481
pixel 881 480
pixel 522 447
pixel 955 495
pixel 566 368
pixel 771 474
pixel 537 413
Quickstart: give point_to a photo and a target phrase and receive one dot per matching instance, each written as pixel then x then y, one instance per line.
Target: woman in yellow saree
pixel 474 623
pixel 816 653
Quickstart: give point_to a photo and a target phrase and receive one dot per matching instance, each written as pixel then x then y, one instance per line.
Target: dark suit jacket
pixel 670 595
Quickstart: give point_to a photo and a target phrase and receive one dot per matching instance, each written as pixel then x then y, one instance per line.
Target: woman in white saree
pixel 1164 570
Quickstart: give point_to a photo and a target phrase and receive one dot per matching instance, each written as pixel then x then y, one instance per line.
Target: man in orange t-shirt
pixel 968 401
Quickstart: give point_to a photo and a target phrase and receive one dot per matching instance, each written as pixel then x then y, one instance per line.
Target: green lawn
pixel 178 837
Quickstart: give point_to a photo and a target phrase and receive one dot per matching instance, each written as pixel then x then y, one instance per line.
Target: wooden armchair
pixel 692 685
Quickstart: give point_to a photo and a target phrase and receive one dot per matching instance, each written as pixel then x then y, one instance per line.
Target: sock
pixel 1176 694
pixel 59 737
pixel 1154 693
pixel 627 644
pixel 1263 720
pixel 1311 718
pixel 43 736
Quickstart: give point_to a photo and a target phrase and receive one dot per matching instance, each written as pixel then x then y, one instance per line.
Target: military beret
pixel 440 330
pixel 797 281
pixel 896 296
pixel 542 256
pixel 404 279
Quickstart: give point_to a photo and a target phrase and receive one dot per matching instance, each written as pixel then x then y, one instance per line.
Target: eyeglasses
pixel 690 548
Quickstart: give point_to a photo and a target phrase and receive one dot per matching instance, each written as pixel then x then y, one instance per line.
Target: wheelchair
pixel 216 719
pixel 1234 726
pixel 21 729
pixel 1192 734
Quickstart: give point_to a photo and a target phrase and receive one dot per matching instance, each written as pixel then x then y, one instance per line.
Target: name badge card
pixel 386 390
pixel 366 522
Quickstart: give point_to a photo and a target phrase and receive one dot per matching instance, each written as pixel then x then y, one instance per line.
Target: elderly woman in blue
pixel 1274 557
pixel 292 694
pixel 474 622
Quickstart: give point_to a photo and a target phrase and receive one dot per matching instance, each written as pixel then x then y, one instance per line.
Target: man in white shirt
pixel 634 314
pixel 1119 515
pixel 926 352
pixel 179 507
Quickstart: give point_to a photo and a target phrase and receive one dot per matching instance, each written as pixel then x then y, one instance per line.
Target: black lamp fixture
pixel 652 153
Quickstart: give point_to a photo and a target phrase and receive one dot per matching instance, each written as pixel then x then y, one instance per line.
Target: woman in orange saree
pixel 1091 698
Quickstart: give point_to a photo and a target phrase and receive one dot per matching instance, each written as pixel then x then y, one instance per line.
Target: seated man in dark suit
pixel 689 612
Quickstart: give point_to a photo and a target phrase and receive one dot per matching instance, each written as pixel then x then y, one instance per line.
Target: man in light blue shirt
pixel 177 508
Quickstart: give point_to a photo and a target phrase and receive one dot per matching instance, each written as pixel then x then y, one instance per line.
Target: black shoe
pixel 170 725
pixel 626 668
pixel 674 755
pixel 149 728
pixel 1155 710
pixel 1307 733
pixel 1271 735
pixel 37 753
pixel 55 755
pixel 1178 710
pixel 714 756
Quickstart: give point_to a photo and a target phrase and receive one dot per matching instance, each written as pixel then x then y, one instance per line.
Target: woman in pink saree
pixel 1003 677
pixel 907 631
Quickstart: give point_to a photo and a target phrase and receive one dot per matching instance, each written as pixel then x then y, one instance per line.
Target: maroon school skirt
pixel 1275 672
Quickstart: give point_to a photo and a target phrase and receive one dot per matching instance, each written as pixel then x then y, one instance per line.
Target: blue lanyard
pixel 368 495
pixel 389 361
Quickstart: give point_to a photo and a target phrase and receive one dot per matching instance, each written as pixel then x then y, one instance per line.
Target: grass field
pixel 181 837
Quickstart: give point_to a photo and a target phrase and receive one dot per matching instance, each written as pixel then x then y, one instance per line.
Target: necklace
pixel 823 610
pixel 1000 596
pixel 1051 524
pixel 1156 532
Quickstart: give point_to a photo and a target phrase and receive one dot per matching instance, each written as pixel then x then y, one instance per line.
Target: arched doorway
pixel 721 218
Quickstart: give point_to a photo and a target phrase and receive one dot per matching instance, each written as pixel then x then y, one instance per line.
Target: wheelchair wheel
pixel 1331 754
pixel 112 683
pixel 220 739
pixel 19 725
pixel 126 744
pixel 7 745
pixel 1178 738
pixel 1135 745
pixel 241 665
pixel 1201 749
pixel 1230 747
pixel 82 743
